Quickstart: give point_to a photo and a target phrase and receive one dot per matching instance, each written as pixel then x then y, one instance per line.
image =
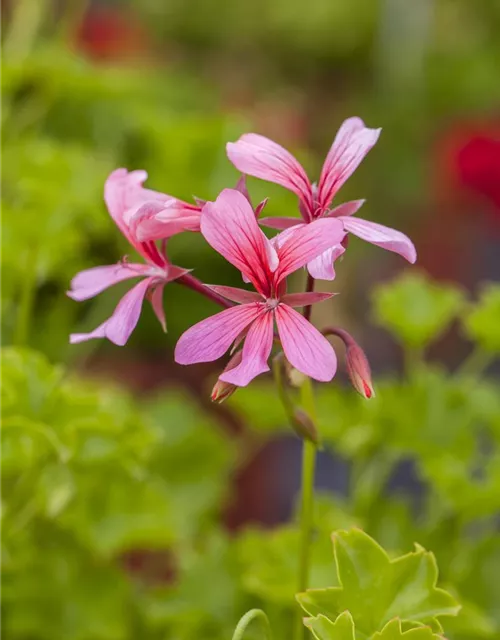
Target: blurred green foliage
pixel 111 508
pixel 91 479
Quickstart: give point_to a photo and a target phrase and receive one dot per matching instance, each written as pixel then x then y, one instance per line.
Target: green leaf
pixel 393 631
pixel 323 628
pixel 415 309
pixel 483 320
pixel 375 589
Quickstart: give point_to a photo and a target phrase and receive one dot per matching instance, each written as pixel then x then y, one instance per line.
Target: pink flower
pixel 262 158
pixel 125 197
pixel 157 221
pixel 230 227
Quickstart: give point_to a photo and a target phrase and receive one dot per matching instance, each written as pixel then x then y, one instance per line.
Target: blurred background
pixel 132 506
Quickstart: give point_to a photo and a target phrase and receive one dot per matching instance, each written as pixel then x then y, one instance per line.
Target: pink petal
pixel 159 220
pixel 346 209
pixel 123 190
pixel 305 347
pixel 120 325
pixel 262 158
pixel 212 337
pixel 256 351
pixel 236 295
pixel 230 227
pixel 280 223
pixel 305 242
pixel 305 299
pixel 322 267
pixel 90 282
pixel 241 186
pixel 157 304
pixel 260 207
pixel 173 272
pixel 382 236
pixel 124 194
pixel 351 144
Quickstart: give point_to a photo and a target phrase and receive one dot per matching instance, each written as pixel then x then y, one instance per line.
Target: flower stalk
pixel 309 449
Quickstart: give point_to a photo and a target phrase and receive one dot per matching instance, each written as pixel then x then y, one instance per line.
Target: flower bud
pixel 295 377
pixel 358 369
pixel 357 363
pixel 304 426
pixel 222 390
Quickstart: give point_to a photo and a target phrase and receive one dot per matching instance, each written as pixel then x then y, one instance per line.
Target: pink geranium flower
pixel 125 198
pixel 157 221
pixel 229 225
pixel 260 157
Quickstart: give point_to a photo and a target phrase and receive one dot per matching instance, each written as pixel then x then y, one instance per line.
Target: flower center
pixel 272 303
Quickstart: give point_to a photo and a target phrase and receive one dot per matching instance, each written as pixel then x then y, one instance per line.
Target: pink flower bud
pixel 357 363
pixel 358 369
pixel 222 390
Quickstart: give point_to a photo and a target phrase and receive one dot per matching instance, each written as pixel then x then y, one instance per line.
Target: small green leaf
pixel 323 628
pixel 482 322
pixel 416 309
pixel 375 589
pixel 394 631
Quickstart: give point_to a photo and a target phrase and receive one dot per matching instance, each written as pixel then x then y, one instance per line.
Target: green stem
pixel 27 16
pixel 476 363
pixel 307 499
pixel 251 615
pixel 21 330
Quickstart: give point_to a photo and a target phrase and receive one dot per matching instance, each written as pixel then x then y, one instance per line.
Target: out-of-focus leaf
pixel 323 628
pixel 393 630
pixel 375 589
pixel 415 309
pixel 205 600
pixel 482 322
pixel 269 559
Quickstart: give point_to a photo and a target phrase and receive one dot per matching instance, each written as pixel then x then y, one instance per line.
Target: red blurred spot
pixel 108 33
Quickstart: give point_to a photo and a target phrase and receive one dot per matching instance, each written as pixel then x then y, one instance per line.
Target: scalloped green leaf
pixel 323 628
pixel 415 309
pixel 376 589
pixel 482 322
pixel 393 630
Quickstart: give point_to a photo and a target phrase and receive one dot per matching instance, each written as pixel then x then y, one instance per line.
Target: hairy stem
pixel 249 617
pixel 306 506
pixel 309 288
pixel 193 283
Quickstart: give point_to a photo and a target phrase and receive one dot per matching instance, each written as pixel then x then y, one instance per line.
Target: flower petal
pixel 230 227
pixel 120 325
pixel 305 242
pixel 159 220
pixel 90 282
pixel 124 194
pixel 322 267
pixel 305 347
pixel 280 223
pixel 382 236
pixel 351 144
pixel 236 295
pixel 346 209
pixel 262 158
pixel 306 298
pixel 212 337
pixel 256 351
pixel 157 304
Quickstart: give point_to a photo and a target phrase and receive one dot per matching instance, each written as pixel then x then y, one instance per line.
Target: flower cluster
pixel 252 321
